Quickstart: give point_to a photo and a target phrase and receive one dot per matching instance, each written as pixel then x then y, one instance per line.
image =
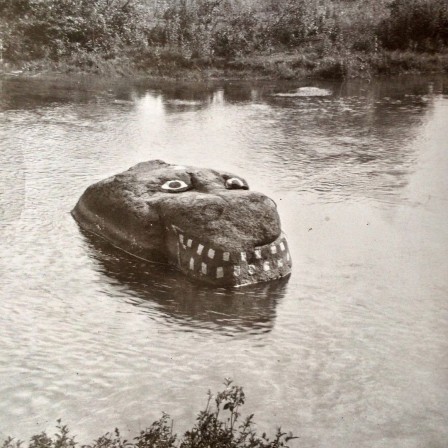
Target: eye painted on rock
pixel 236 184
pixel 175 186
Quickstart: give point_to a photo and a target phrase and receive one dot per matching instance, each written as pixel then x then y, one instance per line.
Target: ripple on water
pixel 334 353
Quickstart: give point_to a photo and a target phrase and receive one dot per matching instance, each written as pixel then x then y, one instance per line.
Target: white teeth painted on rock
pixel 262 263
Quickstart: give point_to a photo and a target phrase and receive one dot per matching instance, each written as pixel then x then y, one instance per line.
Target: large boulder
pixel 205 222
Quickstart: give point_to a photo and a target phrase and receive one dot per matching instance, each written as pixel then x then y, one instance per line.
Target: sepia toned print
pixel 260 235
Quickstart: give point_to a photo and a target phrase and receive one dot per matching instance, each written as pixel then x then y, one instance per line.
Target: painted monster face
pixel 205 222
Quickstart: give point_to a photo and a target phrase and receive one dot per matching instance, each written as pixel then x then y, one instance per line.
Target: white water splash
pixel 306 91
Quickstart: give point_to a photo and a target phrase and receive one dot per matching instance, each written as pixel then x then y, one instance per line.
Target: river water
pixel 350 351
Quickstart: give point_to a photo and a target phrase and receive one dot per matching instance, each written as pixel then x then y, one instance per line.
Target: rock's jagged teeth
pixel 199 259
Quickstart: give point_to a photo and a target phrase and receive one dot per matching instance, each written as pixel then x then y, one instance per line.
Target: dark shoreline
pixel 280 66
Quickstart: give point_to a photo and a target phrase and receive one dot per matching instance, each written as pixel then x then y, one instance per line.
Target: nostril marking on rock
pixel 200 249
pixel 211 254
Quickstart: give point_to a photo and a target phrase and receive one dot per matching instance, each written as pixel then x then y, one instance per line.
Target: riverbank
pixel 282 66
pixel 332 39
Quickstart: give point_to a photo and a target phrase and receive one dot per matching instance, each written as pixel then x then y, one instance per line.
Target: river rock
pixel 205 222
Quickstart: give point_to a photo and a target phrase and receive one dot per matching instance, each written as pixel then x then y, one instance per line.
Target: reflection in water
pixel 147 284
pixel 347 145
pixel 335 354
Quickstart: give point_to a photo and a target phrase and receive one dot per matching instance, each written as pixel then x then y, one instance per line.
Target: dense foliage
pixel 416 24
pixel 152 34
pixel 35 29
pixel 218 426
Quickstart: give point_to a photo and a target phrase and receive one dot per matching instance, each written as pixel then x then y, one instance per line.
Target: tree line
pixel 151 32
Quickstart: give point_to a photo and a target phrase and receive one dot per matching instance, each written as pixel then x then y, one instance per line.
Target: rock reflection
pixel 161 289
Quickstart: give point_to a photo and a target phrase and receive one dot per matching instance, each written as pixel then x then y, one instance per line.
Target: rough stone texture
pixel 225 237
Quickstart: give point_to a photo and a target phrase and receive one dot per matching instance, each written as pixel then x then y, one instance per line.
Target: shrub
pixel 240 35
pixel 36 29
pixel 219 425
pixel 415 24
pixel 296 21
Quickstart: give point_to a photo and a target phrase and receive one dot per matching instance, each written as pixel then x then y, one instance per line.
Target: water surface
pixel 351 350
